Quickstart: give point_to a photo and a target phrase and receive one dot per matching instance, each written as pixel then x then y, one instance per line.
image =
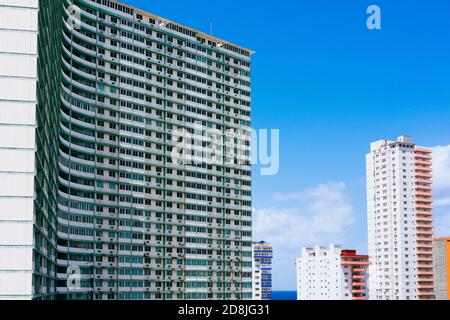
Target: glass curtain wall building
pixel 131 221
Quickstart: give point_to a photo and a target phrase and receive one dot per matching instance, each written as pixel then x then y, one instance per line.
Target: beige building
pixel 442 268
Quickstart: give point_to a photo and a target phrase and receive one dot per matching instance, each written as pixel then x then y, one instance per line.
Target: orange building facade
pixel 357 266
pixel 424 222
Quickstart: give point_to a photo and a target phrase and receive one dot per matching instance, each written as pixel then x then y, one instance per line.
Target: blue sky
pixel 332 86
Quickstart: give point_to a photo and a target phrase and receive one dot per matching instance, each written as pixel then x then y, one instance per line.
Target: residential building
pixel 400 220
pixel 330 273
pixel 356 267
pixel 262 255
pixel 441 255
pixel 108 213
pixel 28 148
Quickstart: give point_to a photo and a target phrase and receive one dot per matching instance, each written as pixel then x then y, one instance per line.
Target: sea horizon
pixel 284 295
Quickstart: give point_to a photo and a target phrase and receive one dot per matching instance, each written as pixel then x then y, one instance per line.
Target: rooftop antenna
pixel 210 28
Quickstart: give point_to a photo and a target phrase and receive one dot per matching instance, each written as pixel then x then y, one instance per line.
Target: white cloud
pixel 441 189
pixel 321 209
pixel 330 191
pixel 441 167
pixel 441 202
pixel 318 215
pixel 442 224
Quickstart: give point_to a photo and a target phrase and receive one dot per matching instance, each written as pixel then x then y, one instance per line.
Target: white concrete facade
pixel 391 209
pixel 320 275
pixel 18 78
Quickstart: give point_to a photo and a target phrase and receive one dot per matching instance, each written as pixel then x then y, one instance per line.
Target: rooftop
pixel 163 21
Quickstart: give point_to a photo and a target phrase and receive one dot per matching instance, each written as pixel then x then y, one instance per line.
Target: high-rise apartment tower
pixel 95 96
pixel 400 220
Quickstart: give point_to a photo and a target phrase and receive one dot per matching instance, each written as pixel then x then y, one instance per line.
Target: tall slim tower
pixel 400 220
pixel 96 99
pixel 262 270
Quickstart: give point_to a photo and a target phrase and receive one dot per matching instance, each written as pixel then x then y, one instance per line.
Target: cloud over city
pixel 441 184
pixel 316 215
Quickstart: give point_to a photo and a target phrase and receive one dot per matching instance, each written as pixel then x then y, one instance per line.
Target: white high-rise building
pixel 28 149
pixel 330 273
pixel 18 100
pixel 400 224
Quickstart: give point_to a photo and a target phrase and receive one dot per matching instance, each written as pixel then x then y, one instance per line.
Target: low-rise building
pixel 330 273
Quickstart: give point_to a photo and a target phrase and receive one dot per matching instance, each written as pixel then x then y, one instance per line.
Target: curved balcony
pixel 78 72
pixel 78 84
pixel 76 199
pixel 90 104
pixel 77 46
pixel 76 147
pixel 77 186
pixel 154 83
pixel 76 134
pixel 70 55
pixel 78 110
pixel 146 47
pixel 73 31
